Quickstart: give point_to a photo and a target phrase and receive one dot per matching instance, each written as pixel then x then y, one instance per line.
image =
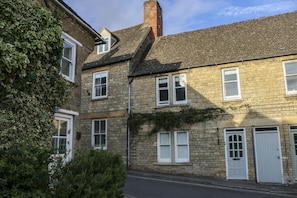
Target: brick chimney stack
pixel 153 17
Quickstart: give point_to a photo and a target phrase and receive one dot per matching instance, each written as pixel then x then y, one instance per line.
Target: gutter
pixel 211 64
pixel 99 39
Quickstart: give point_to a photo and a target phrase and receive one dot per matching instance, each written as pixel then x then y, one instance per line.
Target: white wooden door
pixel 236 156
pixel 61 137
pixel 268 155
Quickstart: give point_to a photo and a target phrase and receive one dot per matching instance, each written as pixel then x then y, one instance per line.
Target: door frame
pixel 226 150
pixel 69 135
pixel 280 151
pixel 292 149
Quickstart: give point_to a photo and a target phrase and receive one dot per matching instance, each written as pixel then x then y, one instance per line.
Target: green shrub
pixel 23 174
pixel 90 174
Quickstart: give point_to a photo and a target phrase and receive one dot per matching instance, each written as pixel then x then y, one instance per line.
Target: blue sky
pixel 178 15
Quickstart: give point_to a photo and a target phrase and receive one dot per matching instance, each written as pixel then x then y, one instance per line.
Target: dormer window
pixel 109 39
pixel 104 47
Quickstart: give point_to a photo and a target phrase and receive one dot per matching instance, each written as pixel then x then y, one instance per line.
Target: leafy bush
pixel 30 85
pixel 23 174
pixel 90 174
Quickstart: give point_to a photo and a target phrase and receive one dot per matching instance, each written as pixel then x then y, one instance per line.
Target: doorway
pixel 268 155
pixel 62 137
pixel 236 155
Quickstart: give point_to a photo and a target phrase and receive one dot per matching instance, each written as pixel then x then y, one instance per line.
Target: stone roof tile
pixel 248 40
pixel 129 41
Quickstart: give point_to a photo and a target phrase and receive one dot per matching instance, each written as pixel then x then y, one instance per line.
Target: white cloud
pixel 260 9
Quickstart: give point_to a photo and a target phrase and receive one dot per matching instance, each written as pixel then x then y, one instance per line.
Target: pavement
pixel 280 189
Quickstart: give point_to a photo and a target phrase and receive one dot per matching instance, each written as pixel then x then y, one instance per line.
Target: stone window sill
pixel 172 105
pixel 173 164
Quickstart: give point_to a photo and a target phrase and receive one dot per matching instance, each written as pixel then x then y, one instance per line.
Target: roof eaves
pixel 70 11
pixel 110 61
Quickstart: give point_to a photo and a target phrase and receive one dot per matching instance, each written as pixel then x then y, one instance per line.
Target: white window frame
pixel 101 74
pixel 93 134
pixel 177 145
pixel 173 149
pixel 105 47
pixel 182 85
pixel 167 145
pixel 158 89
pixel 72 42
pixel 285 77
pixel 237 81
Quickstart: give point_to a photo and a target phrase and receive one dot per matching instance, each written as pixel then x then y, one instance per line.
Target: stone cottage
pixel 233 86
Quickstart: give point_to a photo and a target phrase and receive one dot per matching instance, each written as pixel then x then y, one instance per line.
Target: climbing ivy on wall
pixel 170 119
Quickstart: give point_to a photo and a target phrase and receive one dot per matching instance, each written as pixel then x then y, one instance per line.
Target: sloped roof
pixel 248 40
pixel 130 39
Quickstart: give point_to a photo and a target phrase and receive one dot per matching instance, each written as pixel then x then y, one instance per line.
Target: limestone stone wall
pixel 113 108
pixel 263 103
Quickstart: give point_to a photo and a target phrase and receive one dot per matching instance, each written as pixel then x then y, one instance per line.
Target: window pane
pixel 55 145
pixel 176 79
pixel 97 140
pixel 240 154
pixel 291 68
pixel 103 80
pixel 181 138
pixel 96 126
pixel 62 145
pixel 102 126
pixel 106 45
pixel 180 81
pixel 103 141
pixel 165 152
pixel 100 141
pixel 163 82
pixel 231 153
pixel 65 68
pixel 164 139
pixel 55 128
pixel 101 48
pixel 163 95
pixel 97 91
pixel 103 89
pixel 67 51
pixel 63 128
pixel 182 152
pixel 235 137
pixel 180 94
pixel 231 89
pixel 230 75
pixel 292 83
pixel 97 81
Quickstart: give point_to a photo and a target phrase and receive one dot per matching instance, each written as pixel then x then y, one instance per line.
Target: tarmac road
pixel 144 187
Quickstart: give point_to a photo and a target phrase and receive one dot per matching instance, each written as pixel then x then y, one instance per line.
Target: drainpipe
pixel 130 80
pixel 254 152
